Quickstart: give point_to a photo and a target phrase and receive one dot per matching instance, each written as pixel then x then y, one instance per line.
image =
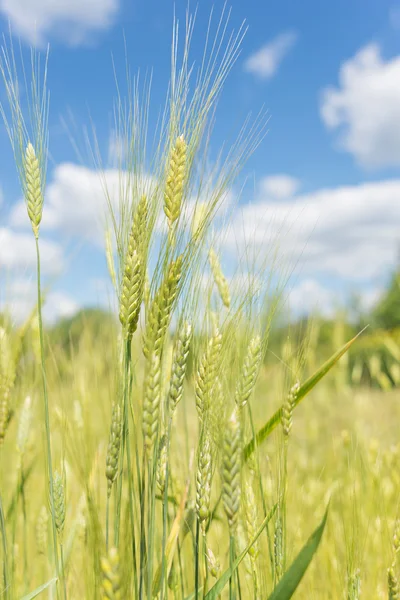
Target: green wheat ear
pixel 175 181
pixel 111 583
pixel 33 188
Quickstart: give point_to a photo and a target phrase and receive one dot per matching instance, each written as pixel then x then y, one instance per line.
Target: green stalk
pixel 151 529
pixel 142 527
pixel 231 561
pixel 5 553
pixel 46 410
pixel 128 454
pixel 165 508
pixel 107 521
pixel 63 572
pixel 197 552
pixel 260 484
pixel 25 524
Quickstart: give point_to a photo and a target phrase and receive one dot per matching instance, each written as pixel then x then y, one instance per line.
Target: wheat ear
pixel 287 410
pixel 59 503
pixel 203 481
pixel 111 583
pixel 33 189
pixel 114 444
pixel 231 470
pixel 249 372
pixel 207 373
pixel 175 181
pixel 42 530
pixel 133 278
pixel 393 585
pixel 161 309
pixel 219 278
pixel 151 402
pixel 179 363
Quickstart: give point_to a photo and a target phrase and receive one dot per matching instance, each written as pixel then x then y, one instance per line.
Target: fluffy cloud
pixel 20 298
pixel 17 253
pixel 265 62
pixel 365 108
pixel 71 20
pixel 75 202
pixel 279 186
pixel 350 233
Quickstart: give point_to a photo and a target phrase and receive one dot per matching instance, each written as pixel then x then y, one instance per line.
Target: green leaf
pixel 214 592
pixel 40 589
pixel 304 389
pixel 291 579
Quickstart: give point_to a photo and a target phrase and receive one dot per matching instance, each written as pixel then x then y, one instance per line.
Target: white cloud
pixel 75 202
pixel 278 187
pixel 365 108
pixel 17 252
pixel 20 299
pixel 309 296
pixel 347 232
pixel 70 20
pixel 265 62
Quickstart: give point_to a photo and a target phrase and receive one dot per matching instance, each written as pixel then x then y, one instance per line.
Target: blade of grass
pixel 291 579
pixel 223 580
pixel 39 590
pixel 307 386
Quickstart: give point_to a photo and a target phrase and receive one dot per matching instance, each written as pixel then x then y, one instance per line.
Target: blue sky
pixel 328 170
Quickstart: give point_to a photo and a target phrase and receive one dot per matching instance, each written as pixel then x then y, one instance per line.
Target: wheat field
pixel 165 449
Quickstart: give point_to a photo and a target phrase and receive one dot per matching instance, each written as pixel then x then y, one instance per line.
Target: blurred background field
pixel 344 445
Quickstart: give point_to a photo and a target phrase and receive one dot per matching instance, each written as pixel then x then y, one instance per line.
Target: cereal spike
pixel 161 309
pixel 114 445
pixel 175 181
pixel 162 463
pixel 249 372
pixel 111 583
pixel 33 188
pixel 179 363
pixel 42 530
pixel 287 410
pixel 203 482
pixel 231 470
pixel 219 278
pixel 207 373
pixel 151 402
pixel 59 503
pixel 393 585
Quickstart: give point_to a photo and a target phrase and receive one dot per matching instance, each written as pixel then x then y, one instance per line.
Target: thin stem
pixel 5 553
pixel 63 572
pixel 46 410
pixel 142 527
pixel 165 510
pixel 107 520
pixel 197 552
pixel 259 477
pixel 128 454
pixel 232 595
